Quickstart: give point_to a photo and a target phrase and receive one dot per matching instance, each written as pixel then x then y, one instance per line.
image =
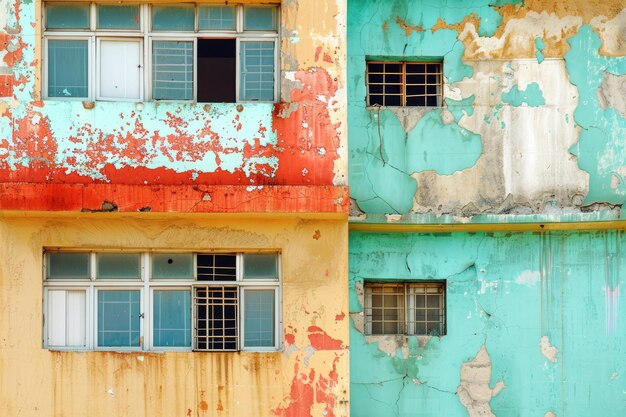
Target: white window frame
pixel 147 35
pixel 99 40
pixel 146 287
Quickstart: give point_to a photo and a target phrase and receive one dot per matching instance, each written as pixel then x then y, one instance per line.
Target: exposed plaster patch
pixel 516 37
pixel 409 116
pixel 358 288
pixel 614 376
pixel 474 391
pixel 549 414
pixel 612 33
pixel 358 322
pixel 547 350
pixel 393 218
pixel 612 92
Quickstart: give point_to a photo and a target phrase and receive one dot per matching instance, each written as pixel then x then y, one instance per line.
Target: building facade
pixel 173 208
pixel 486 149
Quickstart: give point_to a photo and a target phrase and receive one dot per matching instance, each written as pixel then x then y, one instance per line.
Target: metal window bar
pixel 216 318
pixel 417 84
pixel 426 310
pixel 385 309
pixel 216 266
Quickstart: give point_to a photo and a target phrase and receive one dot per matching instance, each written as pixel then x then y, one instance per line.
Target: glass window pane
pixel 172 18
pixel 67 68
pixel 261 265
pixel 216 17
pixel 118 17
pixel 68 265
pixel 259 318
pixel 172 318
pixel 260 18
pixel 67 16
pixel 118 318
pixel 172 70
pixel 172 265
pixel 257 71
pixel 118 265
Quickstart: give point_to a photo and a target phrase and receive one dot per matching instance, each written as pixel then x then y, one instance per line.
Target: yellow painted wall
pixel 294 382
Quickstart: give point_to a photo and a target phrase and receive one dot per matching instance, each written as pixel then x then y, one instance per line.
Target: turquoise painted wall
pixel 385 159
pixel 505 292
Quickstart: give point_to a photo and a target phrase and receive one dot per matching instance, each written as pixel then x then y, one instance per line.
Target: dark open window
pixel 217 69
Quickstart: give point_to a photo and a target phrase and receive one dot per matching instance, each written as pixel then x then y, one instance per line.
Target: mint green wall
pixel 505 292
pixel 520 99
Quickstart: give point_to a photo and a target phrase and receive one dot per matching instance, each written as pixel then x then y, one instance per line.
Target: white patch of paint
pixel 111 392
pixel 614 376
pixel 488 285
pixel 528 277
pixel 392 218
pixel 140 358
pixel 547 350
pixel 321 151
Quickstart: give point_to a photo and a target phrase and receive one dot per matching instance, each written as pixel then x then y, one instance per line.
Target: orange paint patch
pixel 340 317
pixel 320 340
pixel 6 85
pixel 305 131
pixel 172 198
pixel 203 405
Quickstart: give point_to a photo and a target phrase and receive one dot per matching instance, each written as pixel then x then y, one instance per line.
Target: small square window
pixel 413 84
pixel 405 308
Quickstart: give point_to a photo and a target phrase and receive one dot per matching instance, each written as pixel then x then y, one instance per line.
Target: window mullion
pixel 404 83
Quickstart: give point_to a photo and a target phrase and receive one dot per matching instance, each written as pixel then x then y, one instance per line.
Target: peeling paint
pixel 547 350
pixel 532 96
pixel 474 391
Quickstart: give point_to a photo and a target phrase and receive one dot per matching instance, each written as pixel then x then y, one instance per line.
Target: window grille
pixel 405 308
pixel 418 84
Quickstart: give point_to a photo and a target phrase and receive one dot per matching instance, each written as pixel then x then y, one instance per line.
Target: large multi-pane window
pixel 415 308
pixel 182 52
pixel 161 301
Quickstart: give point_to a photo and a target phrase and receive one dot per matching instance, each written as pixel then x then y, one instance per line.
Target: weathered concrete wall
pixel 533 121
pixel 300 140
pixel 307 378
pixel 535 326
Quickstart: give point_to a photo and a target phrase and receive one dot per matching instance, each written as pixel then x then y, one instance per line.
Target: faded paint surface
pixel 533 120
pixel 535 326
pixel 309 377
pixel 298 141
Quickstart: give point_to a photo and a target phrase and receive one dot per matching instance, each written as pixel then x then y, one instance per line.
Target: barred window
pixel 418 84
pixel 161 301
pixel 416 308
